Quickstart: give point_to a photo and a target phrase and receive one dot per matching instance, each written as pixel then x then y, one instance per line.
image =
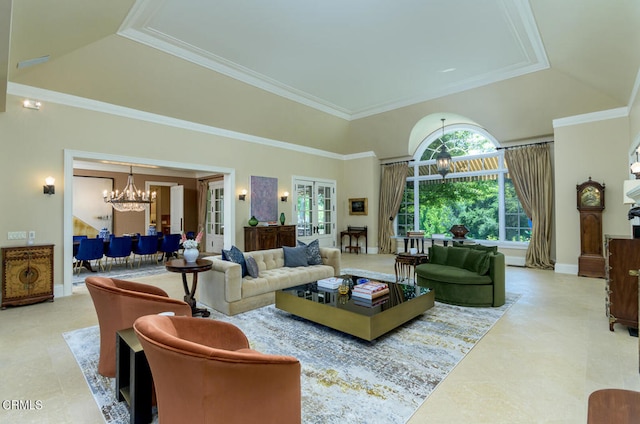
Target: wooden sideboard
pixel 269 237
pixel 622 256
pixel 27 274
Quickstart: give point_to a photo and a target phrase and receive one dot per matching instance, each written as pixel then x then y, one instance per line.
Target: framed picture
pixel 264 198
pixel 358 206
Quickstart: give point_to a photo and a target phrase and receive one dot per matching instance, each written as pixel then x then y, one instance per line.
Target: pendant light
pixel 443 160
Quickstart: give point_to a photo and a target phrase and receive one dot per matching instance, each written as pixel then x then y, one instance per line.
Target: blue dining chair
pixel 119 248
pixel 146 247
pixel 170 245
pixel 78 238
pixel 90 249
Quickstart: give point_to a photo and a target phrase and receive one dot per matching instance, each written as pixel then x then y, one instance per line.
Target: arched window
pixel 477 192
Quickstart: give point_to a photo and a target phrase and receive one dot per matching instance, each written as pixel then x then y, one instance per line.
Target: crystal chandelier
pixel 130 199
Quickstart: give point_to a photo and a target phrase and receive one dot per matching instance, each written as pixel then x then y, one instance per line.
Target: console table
pixel 269 237
pixel 354 232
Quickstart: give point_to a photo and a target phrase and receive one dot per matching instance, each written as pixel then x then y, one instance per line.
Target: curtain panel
pixel 392 183
pixel 530 171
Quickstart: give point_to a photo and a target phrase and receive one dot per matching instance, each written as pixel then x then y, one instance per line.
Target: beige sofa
pixel 224 289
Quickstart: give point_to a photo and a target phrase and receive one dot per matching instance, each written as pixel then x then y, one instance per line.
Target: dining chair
pixel 170 245
pixel 90 249
pixel 146 247
pixel 119 248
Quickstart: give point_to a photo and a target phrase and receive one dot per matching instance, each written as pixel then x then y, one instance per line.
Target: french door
pixel 315 210
pixel 215 217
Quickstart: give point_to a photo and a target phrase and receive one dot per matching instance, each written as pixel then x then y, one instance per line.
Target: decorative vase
pixel 253 221
pixel 459 231
pixel 190 255
pixel 282 218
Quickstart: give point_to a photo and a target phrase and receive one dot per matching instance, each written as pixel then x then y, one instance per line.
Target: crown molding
pixel 603 115
pixel 97 106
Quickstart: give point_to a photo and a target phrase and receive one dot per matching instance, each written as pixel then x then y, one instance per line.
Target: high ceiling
pixel 350 60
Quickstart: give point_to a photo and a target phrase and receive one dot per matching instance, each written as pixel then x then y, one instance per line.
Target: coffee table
pixel 342 313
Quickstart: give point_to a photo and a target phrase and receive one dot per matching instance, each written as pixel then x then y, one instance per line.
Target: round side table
pixel 184 268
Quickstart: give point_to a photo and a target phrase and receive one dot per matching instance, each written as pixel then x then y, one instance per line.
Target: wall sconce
pixel 31 104
pixel 49 187
pixel 284 196
pixel 243 195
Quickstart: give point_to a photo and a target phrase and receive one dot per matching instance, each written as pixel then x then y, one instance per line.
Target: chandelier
pixel 130 199
pixel 443 160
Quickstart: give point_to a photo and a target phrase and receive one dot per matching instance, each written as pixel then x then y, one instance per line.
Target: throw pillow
pixel 484 266
pixel 456 256
pixel 491 249
pixel 313 252
pixel 475 261
pixel 235 255
pixel 252 266
pixel 295 256
pixel 438 255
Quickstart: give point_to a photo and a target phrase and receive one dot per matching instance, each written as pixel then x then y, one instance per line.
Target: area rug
pixel 122 272
pixel 344 379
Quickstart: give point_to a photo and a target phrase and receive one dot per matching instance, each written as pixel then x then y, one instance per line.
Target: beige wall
pixel 361 179
pixel 598 150
pixel 34 142
pixel 33 145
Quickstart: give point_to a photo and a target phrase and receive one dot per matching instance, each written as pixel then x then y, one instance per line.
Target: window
pixel 477 192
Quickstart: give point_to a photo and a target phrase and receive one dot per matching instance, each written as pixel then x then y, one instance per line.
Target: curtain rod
pixel 523 145
pixel 393 163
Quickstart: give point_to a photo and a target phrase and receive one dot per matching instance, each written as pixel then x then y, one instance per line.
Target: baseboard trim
pixel 566 269
pixel 514 260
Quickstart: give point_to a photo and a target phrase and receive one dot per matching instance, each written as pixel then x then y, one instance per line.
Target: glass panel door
pixel 315 211
pixel 215 217
pixel 304 208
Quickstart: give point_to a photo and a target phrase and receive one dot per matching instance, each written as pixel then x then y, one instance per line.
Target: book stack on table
pixel 415 233
pixel 370 294
pixel 329 283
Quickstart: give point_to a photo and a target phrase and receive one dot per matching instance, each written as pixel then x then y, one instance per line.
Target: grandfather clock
pixel 590 205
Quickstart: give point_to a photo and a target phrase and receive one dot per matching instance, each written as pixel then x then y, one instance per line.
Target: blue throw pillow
pixel 295 256
pixel 252 267
pixel 313 252
pixel 235 255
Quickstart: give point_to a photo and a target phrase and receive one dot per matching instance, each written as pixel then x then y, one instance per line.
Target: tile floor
pixel 537 365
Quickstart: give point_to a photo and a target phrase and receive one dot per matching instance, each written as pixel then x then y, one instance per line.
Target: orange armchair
pixel 118 304
pixel 204 372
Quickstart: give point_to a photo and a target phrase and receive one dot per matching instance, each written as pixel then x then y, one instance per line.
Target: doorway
pixel 315 210
pixel 71 155
pixel 159 214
